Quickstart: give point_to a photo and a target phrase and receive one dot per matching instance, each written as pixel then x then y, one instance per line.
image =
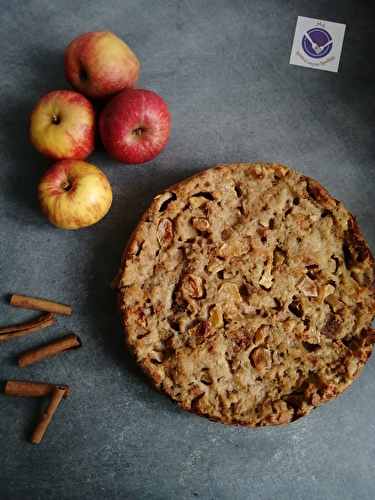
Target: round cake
pixel 246 295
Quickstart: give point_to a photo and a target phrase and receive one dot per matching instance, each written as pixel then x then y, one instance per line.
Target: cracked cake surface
pixel 246 294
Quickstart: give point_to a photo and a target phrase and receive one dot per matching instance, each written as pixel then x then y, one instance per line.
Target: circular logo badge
pixel 317 43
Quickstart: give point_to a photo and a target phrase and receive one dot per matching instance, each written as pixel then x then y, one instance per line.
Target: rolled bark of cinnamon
pixel 15 331
pixel 56 397
pixel 62 345
pixel 40 304
pixel 32 389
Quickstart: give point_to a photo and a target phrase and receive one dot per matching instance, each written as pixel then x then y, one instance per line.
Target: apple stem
pixel 55 119
pixel 138 131
pixel 66 185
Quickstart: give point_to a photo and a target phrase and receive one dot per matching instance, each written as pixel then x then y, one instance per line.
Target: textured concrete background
pixel 223 68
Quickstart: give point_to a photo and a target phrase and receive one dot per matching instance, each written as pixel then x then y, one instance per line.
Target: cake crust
pixel 246 295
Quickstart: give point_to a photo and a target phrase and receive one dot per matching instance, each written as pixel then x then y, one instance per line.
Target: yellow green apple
pixel 74 194
pixel 63 125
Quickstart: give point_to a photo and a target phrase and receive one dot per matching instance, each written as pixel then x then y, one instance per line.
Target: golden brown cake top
pixel 246 294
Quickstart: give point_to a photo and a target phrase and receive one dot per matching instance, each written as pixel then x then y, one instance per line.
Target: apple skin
pixel 99 65
pixel 135 126
pixel 74 194
pixel 63 125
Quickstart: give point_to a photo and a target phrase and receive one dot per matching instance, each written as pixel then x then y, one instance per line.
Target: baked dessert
pixel 246 294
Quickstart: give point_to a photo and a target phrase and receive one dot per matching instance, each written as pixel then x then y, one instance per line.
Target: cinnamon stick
pixel 65 344
pixel 15 331
pixel 32 389
pixel 58 393
pixel 40 305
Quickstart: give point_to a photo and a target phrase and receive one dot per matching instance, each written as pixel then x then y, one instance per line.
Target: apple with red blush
pixel 62 125
pixel 135 126
pixel 98 64
pixel 74 194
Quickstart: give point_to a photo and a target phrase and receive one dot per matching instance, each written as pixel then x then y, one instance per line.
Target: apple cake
pixel 246 294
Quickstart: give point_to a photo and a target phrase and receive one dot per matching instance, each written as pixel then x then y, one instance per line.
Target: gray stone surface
pixel 223 68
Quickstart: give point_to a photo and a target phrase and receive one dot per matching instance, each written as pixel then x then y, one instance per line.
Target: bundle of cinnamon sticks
pixel 20 388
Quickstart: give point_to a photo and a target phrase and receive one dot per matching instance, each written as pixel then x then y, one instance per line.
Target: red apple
pixel 135 126
pixel 74 194
pixel 62 125
pixel 99 65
